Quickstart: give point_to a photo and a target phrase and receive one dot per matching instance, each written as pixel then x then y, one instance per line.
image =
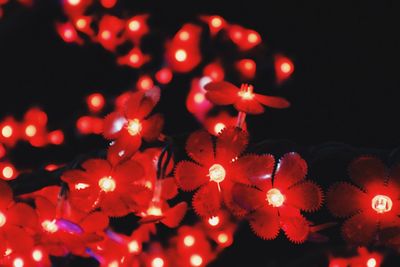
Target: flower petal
pixel 95 222
pixel 199 147
pixel 227 193
pixel 113 124
pixel 22 215
pixel 248 198
pixel 291 169
pixel 249 106
pixel 367 171
pixel 221 93
pixel 6 195
pixel 152 127
pixel 190 176
pixel 359 229
pixel 272 101
pixel 174 215
pixel 207 200
pixel 115 206
pixel 169 188
pixel 344 199
pixel 45 209
pixel 231 142
pixel 296 228
pixel 97 167
pixel 265 222
pixel 128 172
pixel 255 169
pixel 123 147
pixel 306 196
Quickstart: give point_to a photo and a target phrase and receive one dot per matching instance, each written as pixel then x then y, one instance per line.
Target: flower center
pixel 246 92
pixel 107 184
pixel 381 203
pixel 217 173
pixel 275 197
pixel 2 219
pixel 153 210
pixel 134 127
pixel 50 226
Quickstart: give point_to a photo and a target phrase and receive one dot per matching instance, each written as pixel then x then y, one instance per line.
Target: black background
pixel 344 87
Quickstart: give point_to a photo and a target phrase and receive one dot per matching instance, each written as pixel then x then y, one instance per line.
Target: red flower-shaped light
pixel 129 125
pixel 243 98
pixel 373 206
pixel 277 204
pixel 215 171
pixel 16 220
pixel 112 188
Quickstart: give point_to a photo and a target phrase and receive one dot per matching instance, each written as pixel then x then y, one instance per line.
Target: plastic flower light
pixel 129 125
pixel 111 188
pixel 215 171
pixel 244 99
pixel 274 203
pixel 372 206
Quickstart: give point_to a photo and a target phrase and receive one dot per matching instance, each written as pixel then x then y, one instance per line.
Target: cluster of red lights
pixel 230 186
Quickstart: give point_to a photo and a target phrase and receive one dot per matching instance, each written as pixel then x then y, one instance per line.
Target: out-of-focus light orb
pixel 133 246
pixel 74 2
pixel 30 130
pixel 7 131
pixel 81 23
pixel 8 172
pixel 219 127
pixel 50 226
pixel 222 238
pixel 3 219
pixel 180 55
pixel 286 67
pixel 196 260
pixel 157 262
pixel 37 255
pixel 216 22
pixel 113 264
pixel 134 127
pixel 18 262
pixel 199 98
pixel 189 240
pixel 106 35
pixel 371 262
pixel 134 25
pixel 253 38
pixel 184 36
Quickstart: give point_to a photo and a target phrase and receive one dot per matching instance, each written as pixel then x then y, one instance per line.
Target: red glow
pixel 56 137
pixel 145 83
pixel 95 102
pixel 246 68
pixel 135 58
pixel 68 33
pixel 36 116
pixel 8 171
pixel 284 68
pixel 84 125
pixel 136 28
pixel 244 38
pixel 215 23
pixel 110 28
pixel 108 3
pixel 214 71
pixel 164 76
pixel 2 151
pixel 51 167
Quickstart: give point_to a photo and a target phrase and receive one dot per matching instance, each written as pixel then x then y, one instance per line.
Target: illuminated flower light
pixel 50 226
pixel 276 203
pixel 196 260
pixel 95 102
pixel 109 29
pixel 129 125
pixel 214 71
pixel 244 38
pixel 246 68
pixel 82 24
pixel 212 171
pixel 196 103
pixel 36 116
pixel 136 28
pixel 372 206
pixel 9 131
pixel 108 187
pixel 214 221
pixel 56 137
pixel 89 125
pixel 215 23
pixel 18 262
pixel 68 33
pixel 37 255
pixel 75 8
pixel 8 171
pixel 216 124
pixel 145 83
pixel 164 76
pixel 184 55
pixel 157 262
pixel 134 59
pixel 284 68
pixel 14 227
pixel 243 98
pixel 108 3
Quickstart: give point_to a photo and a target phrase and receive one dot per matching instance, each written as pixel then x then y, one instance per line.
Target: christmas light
pixel 18 262
pixel 180 55
pixel 134 127
pixel 214 221
pixel 50 226
pixel 196 260
pixel 222 238
pixel 8 172
pixel 107 184
pixel 37 255
pixel 275 197
pixel 219 127
pixel 189 240
pixel 133 246
pixel 217 173
pixel 157 262
pixel 81 186
pixel 3 219
pixel 7 131
pixel 134 25
pixel 246 92
pixel 30 130
pixel 95 102
pixel 145 83
pixel 164 76
pixel 74 2
pixel 382 203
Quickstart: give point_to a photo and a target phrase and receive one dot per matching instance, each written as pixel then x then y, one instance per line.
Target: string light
pixel 382 203
pixel 371 262
pixel 7 131
pixel 246 92
pixel 37 255
pixel 189 240
pixel 222 238
pixel 217 173
pixel 196 260
pixel 30 130
pixel 107 184
pixel 180 55
pixel 134 127
pixel 50 226
pixel 275 197
pixel 18 262
pixel 219 127
pixel 8 172
pixel 133 246
pixel 157 262
pixel 214 220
